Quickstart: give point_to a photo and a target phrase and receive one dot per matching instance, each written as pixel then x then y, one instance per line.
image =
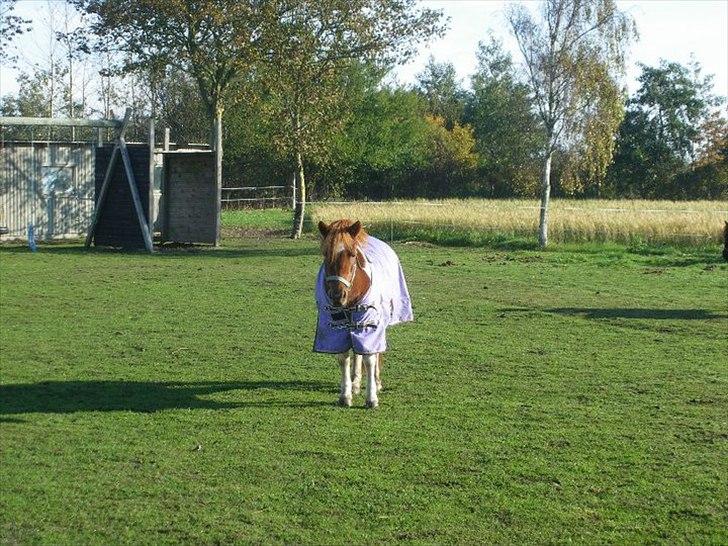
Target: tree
pixel 451 159
pixel 575 48
pixel 317 43
pixel 11 26
pixel 383 149
pixel 509 136
pixel 31 101
pixel 670 125
pixel 218 42
pixel 439 86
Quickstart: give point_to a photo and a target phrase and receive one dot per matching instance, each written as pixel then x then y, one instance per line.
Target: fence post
pixel 166 139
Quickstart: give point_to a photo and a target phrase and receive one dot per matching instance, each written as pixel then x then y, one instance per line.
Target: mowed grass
pixel 482 222
pixel 571 395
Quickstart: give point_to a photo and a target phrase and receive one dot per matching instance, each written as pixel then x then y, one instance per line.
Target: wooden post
pixel 151 175
pixel 99 137
pixel 218 174
pixel 166 139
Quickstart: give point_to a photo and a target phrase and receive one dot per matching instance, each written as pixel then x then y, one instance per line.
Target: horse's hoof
pixel 379 387
pixel 372 404
pixel 356 388
pixel 345 401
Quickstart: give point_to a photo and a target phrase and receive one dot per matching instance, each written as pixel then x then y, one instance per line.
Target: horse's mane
pixel 339 234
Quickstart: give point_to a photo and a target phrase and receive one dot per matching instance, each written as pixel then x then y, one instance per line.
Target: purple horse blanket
pixel 363 328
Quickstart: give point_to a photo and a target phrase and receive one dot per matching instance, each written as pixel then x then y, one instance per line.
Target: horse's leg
pixel 377 375
pixel 370 363
pixel 345 390
pixel 356 379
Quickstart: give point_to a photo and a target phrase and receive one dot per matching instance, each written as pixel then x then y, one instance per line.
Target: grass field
pixel 483 221
pixel 577 395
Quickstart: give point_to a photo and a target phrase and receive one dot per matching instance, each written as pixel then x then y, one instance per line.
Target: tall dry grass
pixel 620 221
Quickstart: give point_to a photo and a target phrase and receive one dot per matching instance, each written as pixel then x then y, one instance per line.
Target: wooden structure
pixel 118 224
pixel 121 151
pixel 137 188
pixel 190 204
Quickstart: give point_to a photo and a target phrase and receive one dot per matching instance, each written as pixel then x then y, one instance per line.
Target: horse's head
pixel 344 262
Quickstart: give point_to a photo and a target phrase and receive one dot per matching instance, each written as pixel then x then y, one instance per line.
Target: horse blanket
pixel 363 327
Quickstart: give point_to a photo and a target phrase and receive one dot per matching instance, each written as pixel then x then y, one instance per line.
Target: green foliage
pixel 588 156
pixel 11 26
pixel 671 140
pixel 215 41
pixel 509 137
pixel 444 96
pixel 383 144
pixel 452 160
pixel 174 399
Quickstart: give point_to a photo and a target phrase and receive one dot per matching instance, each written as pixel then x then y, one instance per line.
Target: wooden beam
pixel 151 174
pixel 218 176
pixel 124 123
pixel 135 196
pixel 60 122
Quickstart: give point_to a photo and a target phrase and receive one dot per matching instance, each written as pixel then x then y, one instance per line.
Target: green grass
pixel 571 395
pixel 255 221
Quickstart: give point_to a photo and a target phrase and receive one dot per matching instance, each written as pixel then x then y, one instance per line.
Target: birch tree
pixel 571 50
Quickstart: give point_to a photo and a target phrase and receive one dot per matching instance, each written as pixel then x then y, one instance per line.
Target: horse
pixel 360 291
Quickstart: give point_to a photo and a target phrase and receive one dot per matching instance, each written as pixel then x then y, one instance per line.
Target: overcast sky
pixel 669 29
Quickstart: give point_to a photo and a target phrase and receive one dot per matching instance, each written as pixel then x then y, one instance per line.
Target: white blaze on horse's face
pixel 342 270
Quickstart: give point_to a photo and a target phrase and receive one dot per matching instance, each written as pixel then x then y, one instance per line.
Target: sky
pixel 669 29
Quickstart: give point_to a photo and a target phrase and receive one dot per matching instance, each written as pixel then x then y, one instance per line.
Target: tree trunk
pixel 543 224
pixel 218 171
pixel 301 203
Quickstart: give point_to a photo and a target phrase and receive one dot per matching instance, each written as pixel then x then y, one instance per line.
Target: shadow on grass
pixel 636 313
pixel 140 396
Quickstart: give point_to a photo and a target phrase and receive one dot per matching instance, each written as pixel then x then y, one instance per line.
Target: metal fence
pixel 256 197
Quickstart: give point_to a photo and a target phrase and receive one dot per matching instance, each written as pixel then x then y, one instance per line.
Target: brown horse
pixel 360 292
pixel 346 283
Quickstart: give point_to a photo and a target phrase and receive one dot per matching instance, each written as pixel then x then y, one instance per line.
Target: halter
pixel 343 280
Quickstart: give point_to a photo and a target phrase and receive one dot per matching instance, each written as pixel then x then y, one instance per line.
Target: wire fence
pixel 244 196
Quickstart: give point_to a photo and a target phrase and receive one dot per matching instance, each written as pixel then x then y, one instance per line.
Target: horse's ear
pixel 323 228
pixel 354 229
